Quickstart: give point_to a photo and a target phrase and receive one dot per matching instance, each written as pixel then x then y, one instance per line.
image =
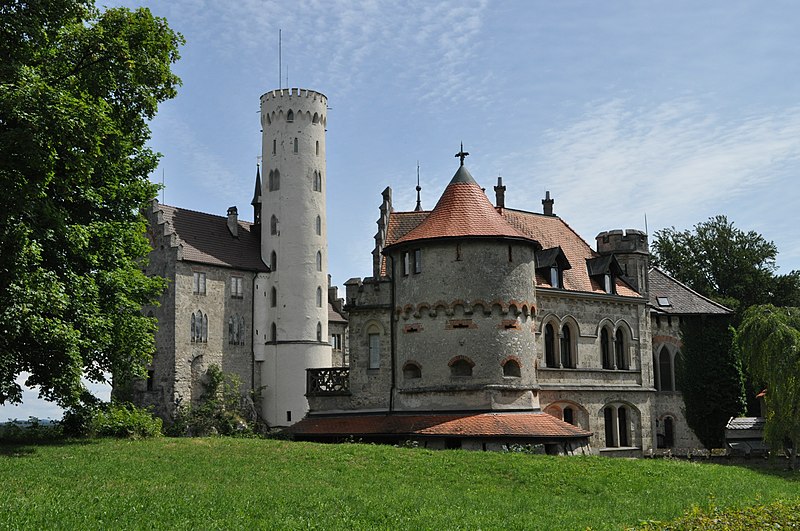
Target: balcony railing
pixel 333 381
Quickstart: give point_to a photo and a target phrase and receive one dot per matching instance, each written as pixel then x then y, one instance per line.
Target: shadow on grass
pixel 26 448
pixel 777 466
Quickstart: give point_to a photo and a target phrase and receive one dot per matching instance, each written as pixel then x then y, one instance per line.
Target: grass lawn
pixel 222 483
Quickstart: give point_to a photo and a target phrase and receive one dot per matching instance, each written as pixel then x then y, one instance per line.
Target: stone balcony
pixel 329 381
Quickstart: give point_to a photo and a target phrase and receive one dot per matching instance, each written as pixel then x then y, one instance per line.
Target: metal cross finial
pixel 462 154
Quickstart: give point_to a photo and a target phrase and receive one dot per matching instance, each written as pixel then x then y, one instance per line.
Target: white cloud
pixel 673 161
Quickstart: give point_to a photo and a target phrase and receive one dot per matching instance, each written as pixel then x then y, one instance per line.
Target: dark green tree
pixel 769 342
pixel 733 267
pixel 710 377
pixel 77 87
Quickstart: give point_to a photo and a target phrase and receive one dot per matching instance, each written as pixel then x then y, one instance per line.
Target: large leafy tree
pixel 736 268
pixel 769 342
pixel 77 87
pixel 729 265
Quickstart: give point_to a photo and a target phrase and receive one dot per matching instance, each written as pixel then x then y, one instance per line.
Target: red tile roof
pixel 495 425
pixel 462 211
pixel 205 238
pixel 549 231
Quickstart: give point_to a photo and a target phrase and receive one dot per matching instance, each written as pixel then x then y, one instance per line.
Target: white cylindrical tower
pixel 294 245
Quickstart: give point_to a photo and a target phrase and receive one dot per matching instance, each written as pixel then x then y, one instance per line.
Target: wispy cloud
pixel 338 43
pixel 616 162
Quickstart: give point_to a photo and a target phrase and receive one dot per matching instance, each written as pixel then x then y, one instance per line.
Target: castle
pixel 480 326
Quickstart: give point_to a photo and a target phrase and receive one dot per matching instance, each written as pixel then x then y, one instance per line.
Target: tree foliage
pixel 710 377
pixel 77 87
pixel 769 342
pixel 731 266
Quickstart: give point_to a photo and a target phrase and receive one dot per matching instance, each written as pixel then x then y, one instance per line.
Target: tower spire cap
pixel 462 154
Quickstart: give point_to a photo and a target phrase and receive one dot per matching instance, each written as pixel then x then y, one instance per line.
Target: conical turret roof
pixel 463 211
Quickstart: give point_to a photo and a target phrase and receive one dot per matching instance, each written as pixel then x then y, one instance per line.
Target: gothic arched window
pixel 550 346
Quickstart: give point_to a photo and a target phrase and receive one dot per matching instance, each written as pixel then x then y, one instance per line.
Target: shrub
pixel 110 420
pixel 222 410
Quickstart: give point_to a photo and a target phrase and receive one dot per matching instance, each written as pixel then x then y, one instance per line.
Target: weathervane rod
pixel 280 65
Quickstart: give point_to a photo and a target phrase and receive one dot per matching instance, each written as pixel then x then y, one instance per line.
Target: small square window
pixel 663 301
pixel 237 290
pixel 199 283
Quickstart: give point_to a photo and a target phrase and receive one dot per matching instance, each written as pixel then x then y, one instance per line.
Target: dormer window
pixel 604 271
pixel 555 277
pixel 551 264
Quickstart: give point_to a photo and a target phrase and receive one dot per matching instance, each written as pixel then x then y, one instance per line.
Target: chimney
pixel 233 221
pixel 500 193
pixel 548 204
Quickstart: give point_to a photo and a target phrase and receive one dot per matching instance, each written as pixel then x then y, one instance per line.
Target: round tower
pixel 294 246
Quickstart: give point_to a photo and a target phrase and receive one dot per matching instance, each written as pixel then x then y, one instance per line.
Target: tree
pixel 77 87
pixel 769 342
pixel 722 262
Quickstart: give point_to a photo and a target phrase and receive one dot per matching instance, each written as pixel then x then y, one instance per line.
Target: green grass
pixel 222 483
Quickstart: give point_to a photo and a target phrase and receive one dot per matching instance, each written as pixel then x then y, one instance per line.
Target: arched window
pixel 665 370
pixel 273 336
pixel 619 350
pixel 199 327
pixel 412 371
pixel 605 347
pixel 318 226
pixel 290 116
pixel 319 260
pixel 610 430
pixel 550 346
pixel 273 261
pixel 315 119
pixel 617 426
pixel 511 369
pixel 461 367
pixel 273 297
pixel 204 337
pixel 273 225
pixel 567 359
pixel 319 297
pixel 317 185
pixel 193 333
pixel 669 432
pixel 274 180
pixel 319 331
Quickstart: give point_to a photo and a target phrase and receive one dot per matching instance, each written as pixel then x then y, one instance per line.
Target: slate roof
pixel 683 300
pixel 482 425
pixel 463 211
pixel 205 238
pixel 334 316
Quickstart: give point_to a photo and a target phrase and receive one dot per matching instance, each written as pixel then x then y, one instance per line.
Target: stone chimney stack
pixel 548 204
pixel 500 193
pixel 233 221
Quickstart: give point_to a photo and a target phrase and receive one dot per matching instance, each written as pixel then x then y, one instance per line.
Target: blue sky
pixel 674 110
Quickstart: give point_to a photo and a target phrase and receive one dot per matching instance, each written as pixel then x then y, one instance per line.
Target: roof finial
pixel 462 154
pixel 418 208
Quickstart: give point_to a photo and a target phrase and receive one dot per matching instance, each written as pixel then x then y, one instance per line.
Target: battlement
pixel 300 106
pixel 294 93
pixel 621 241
